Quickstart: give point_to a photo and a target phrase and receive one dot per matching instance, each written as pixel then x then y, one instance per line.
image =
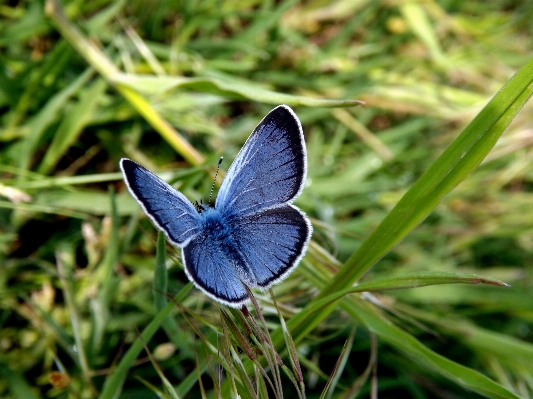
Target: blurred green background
pixel 174 85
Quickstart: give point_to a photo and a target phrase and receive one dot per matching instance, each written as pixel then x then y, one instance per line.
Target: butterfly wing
pixel 269 170
pixel 168 209
pixel 216 269
pixel 272 242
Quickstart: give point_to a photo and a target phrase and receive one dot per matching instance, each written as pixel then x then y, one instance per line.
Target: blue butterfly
pixel 253 237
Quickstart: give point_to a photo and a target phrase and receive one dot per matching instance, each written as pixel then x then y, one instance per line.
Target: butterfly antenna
pixel 215 180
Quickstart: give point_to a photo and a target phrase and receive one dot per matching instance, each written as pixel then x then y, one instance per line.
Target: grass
pixel 417 280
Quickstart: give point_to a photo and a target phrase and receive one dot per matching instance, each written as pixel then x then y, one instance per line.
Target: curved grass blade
pixel 423 279
pixel 227 87
pixel 459 160
pixel 412 280
pixel 378 324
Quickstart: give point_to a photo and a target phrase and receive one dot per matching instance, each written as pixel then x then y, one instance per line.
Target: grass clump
pixel 420 199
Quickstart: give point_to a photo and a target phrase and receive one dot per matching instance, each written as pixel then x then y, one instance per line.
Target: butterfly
pixel 253 236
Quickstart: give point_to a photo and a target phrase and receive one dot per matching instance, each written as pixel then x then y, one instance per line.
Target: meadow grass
pixel 419 135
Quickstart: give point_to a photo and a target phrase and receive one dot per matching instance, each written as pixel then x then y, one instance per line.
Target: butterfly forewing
pixel 270 168
pixel 168 209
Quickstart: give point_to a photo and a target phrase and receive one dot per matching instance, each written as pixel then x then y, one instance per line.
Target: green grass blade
pixel 72 125
pixel 108 283
pixel 422 279
pixel 412 280
pixel 418 21
pixel 459 160
pixel 113 384
pixel 160 274
pixel 16 384
pixel 48 115
pixel 41 208
pixel 58 181
pixel 470 379
pixel 226 87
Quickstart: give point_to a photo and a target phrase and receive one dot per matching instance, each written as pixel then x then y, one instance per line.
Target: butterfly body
pixel 253 236
pixel 215 225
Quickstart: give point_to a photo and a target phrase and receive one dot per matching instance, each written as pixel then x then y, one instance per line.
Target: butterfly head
pixel 201 207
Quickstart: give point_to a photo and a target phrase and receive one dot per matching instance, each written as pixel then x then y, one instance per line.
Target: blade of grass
pixel 72 125
pixel 355 388
pixel 226 87
pixel 413 280
pixel 114 382
pixel 42 208
pixel 459 160
pixel 48 115
pixel 144 50
pixel 16 383
pixel 108 281
pixel 370 139
pixel 421 26
pixel 160 274
pixel 65 261
pixel 378 324
pixel 58 181
pixel 340 364
pixel 422 279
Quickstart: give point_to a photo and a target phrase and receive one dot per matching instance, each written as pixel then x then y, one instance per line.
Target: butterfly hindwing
pixel 270 168
pixel 168 209
pixel 214 268
pixel 272 242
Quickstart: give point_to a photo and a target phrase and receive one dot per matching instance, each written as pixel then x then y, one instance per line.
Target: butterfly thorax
pixel 215 225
